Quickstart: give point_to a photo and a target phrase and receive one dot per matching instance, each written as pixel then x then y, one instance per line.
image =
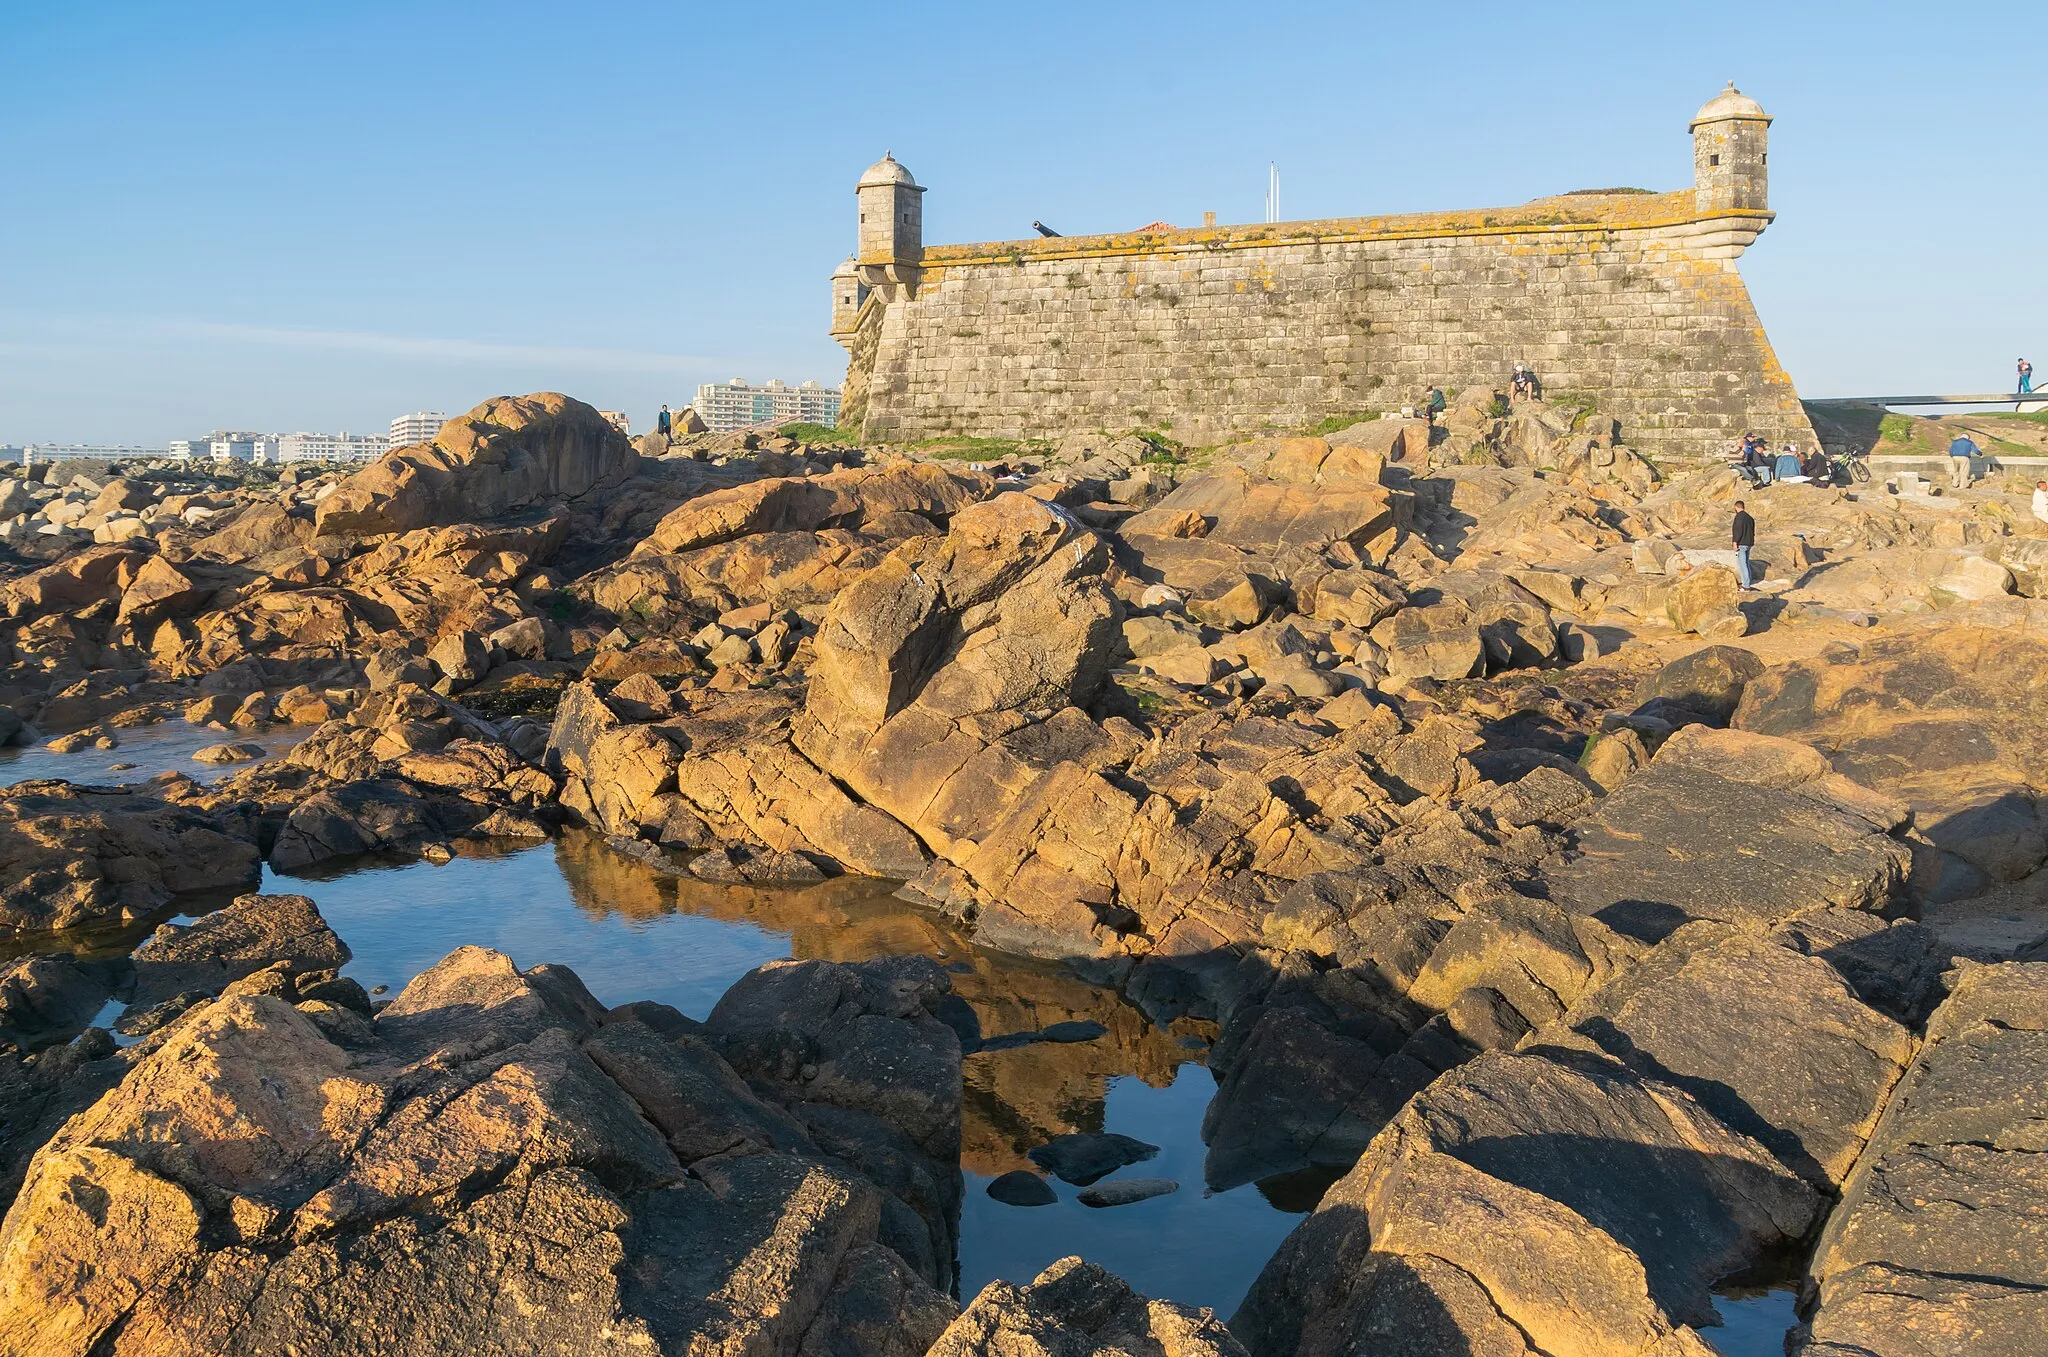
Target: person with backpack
pixel 663 422
pixel 2026 378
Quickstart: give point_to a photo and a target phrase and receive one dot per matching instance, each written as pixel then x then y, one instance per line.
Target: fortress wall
pixel 1631 301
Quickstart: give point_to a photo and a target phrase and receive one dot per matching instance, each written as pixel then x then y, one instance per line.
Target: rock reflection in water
pixel 1015 1098
pixel 634 932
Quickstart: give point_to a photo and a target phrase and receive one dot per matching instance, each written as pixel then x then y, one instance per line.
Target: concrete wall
pixel 1630 300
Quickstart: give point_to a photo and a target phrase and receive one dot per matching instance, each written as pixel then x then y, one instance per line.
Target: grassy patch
pixel 2031 417
pixel 977 449
pixel 1572 404
pixel 529 695
pixel 1323 428
pixel 1897 428
pixel 812 433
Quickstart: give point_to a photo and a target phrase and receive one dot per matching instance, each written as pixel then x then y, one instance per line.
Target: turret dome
pixel 1728 104
pixel 887 170
pixel 846 269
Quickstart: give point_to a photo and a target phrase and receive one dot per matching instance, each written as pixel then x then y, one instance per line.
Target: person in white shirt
pixel 2041 500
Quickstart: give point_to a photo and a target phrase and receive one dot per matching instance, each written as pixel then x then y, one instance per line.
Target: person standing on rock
pixel 2026 377
pixel 1743 531
pixel 1961 462
pixel 663 422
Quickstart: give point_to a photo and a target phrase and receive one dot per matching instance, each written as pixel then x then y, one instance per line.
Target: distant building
pixel 419 427
pixel 617 419
pixel 191 449
pixel 336 447
pixel 107 452
pixel 736 404
pixel 227 446
pixel 263 450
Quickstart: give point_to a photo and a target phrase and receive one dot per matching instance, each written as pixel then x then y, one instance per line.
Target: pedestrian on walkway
pixel 663 422
pixel 1962 466
pixel 1743 531
pixel 2026 377
pixel 2041 501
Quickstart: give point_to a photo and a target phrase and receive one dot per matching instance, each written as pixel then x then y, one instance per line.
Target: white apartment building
pixel 338 447
pixel 263 450
pixel 418 427
pixel 232 447
pixel 738 403
pixel 191 449
pixel 108 452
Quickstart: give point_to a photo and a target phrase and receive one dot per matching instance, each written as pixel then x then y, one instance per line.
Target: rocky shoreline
pixel 1608 935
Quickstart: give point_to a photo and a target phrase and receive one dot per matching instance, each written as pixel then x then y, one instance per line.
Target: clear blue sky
pixel 317 216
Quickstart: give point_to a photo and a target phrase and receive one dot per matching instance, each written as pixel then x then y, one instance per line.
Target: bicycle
pixel 1848 468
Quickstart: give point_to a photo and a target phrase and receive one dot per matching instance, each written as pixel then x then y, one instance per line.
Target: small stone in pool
pixel 227 753
pixel 119 767
pixel 1021 1188
pixel 1127 1190
pixel 1083 1157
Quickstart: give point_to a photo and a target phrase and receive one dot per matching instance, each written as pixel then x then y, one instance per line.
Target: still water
pixel 142 752
pixel 632 933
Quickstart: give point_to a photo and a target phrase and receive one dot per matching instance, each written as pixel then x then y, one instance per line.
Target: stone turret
pixel 891 240
pixel 1730 154
pixel 848 292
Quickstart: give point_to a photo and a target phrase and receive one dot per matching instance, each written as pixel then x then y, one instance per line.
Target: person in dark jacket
pixel 1743 530
pixel 663 422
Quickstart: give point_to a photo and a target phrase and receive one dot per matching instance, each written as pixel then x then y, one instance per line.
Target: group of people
pixel 1522 386
pixel 1742 532
pixel 1756 463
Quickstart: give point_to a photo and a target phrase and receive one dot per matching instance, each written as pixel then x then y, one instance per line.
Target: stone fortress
pixel 1623 298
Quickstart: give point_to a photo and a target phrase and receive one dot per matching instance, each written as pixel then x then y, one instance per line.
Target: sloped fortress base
pixel 1629 299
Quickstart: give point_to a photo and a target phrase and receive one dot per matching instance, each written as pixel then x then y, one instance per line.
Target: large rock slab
pixel 1249 511
pixel 74 855
pixel 947 681
pixel 850 498
pixel 1940 1243
pixel 1769 1037
pixel 509 453
pixel 1075 1309
pixel 466 1176
pixel 1734 828
pixel 1952 720
pixel 252 934
pixel 1541 1202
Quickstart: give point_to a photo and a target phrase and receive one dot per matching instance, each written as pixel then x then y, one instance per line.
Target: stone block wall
pixel 1630 301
